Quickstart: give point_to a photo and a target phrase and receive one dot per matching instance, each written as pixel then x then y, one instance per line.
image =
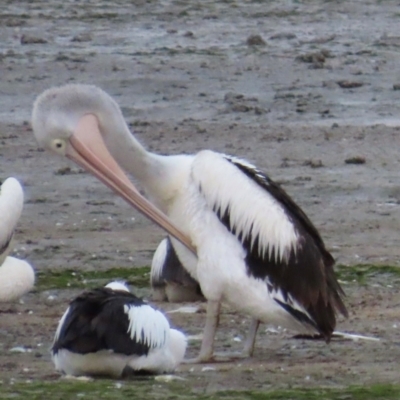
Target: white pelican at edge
pixel 16 276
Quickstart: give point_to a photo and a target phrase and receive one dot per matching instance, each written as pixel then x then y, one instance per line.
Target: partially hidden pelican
pixel 16 276
pixel 110 332
pixel 168 278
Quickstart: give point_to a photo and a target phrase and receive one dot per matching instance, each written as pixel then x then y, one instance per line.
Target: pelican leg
pixel 207 344
pixel 248 348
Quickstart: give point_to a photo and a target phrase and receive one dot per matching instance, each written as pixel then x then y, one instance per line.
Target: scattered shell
pixel 18 349
pixel 78 378
pixel 168 378
pixel 205 369
pixel 272 330
pixel 185 310
pixel 354 337
pixel 195 337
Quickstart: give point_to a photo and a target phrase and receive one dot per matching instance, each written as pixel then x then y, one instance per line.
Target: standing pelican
pixel 111 332
pixel 240 235
pixel 168 278
pixel 16 276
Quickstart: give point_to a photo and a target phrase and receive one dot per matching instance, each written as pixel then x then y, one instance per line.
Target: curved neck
pixel 160 176
pixel 147 168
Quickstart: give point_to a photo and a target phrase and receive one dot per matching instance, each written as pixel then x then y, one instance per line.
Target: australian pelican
pixel 169 280
pixel 16 276
pixel 111 332
pixel 240 234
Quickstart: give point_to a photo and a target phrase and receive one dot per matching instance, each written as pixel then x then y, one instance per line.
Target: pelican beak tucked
pixel 86 147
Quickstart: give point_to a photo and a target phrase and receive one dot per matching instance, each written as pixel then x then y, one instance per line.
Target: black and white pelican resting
pixel 169 280
pixel 110 332
pixel 16 276
pixel 240 235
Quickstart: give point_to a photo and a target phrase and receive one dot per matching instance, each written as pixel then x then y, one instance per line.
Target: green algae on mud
pixel 72 279
pixel 140 276
pixel 148 388
pixel 362 273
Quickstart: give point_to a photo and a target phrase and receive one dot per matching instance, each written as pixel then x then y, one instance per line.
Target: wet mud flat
pixel 309 91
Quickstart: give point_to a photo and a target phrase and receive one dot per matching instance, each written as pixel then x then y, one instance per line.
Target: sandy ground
pixel 313 101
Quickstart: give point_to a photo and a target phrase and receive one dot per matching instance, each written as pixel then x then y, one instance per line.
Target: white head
pixel 82 122
pixel 158 264
pixel 11 200
pixel 11 185
pixel 118 286
pixel 58 111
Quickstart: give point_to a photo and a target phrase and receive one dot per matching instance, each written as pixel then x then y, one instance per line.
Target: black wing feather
pixel 96 321
pixel 307 275
pixel 173 270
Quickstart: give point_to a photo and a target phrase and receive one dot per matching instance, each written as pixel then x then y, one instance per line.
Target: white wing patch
pixel 252 210
pixel 147 325
pixel 60 325
pixel 117 286
pixel 158 261
pixel 277 294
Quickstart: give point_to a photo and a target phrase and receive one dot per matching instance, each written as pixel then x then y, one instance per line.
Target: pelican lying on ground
pixel 111 332
pixel 169 280
pixel 240 235
pixel 16 276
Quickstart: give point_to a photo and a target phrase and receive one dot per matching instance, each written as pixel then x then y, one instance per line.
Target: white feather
pixel 147 324
pixel 220 266
pixel 60 325
pixel 118 285
pixel 278 295
pixel 355 337
pixel 253 211
pixel 108 363
pixel 17 277
pixel 104 362
pixel 165 358
pixel 11 204
pixel 158 261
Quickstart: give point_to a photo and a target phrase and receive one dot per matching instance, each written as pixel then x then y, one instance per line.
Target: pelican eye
pixel 58 145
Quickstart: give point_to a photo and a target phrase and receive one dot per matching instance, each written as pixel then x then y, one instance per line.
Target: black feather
pixel 96 321
pixel 306 275
pixel 174 272
pixel 5 244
